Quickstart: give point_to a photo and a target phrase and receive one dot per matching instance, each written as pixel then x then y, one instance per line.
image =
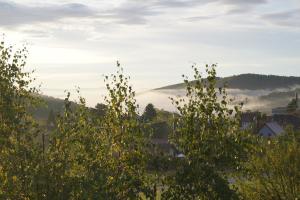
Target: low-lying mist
pixel 261 100
pixel 255 100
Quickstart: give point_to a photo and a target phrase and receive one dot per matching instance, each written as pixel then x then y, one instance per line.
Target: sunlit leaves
pixel 208 135
pixel 273 172
pixel 127 142
pixel 19 149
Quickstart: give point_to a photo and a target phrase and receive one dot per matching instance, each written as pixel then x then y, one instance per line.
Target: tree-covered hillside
pixel 250 82
pixel 49 104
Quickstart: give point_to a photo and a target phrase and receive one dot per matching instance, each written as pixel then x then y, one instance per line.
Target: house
pixel 159 138
pixel 271 129
pixel 280 111
pixel 253 121
pixel 180 155
pixel 165 147
pixel 250 120
pixel 287 120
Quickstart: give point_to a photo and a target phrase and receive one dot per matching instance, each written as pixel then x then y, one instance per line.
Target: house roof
pixel 249 116
pixel 284 120
pixel 275 128
pixel 164 144
pixel 180 155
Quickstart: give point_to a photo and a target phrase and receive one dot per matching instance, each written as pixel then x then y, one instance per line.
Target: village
pixel 258 123
pixel 274 124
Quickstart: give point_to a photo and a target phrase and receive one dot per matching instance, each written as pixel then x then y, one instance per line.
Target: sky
pixel 73 43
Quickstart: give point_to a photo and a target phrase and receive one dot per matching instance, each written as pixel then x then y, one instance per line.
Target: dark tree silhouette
pixel 149 113
pixel 100 109
pixel 293 105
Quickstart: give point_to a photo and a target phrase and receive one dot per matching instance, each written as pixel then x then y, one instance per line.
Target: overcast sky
pixel 72 43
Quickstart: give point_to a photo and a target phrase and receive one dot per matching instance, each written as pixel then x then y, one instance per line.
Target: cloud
pixel 243 2
pixel 228 7
pixel 138 12
pixel 242 6
pixel 36 33
pixel 233 6
pixel 130 13
pixel 200 18
pixel 180 3
pixel 191 3
pixel 286 18
pixel 14 14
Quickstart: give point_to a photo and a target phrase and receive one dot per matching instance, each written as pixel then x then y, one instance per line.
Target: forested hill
pixel 250 82
pixel 49 104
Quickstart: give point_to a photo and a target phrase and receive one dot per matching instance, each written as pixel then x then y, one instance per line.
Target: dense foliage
pixel 273 172
pixel 107 152
pixel 19 151
pixel 208 134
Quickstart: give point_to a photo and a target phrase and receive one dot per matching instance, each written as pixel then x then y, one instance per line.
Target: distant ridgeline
pixel 243 82
pixel 250 82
